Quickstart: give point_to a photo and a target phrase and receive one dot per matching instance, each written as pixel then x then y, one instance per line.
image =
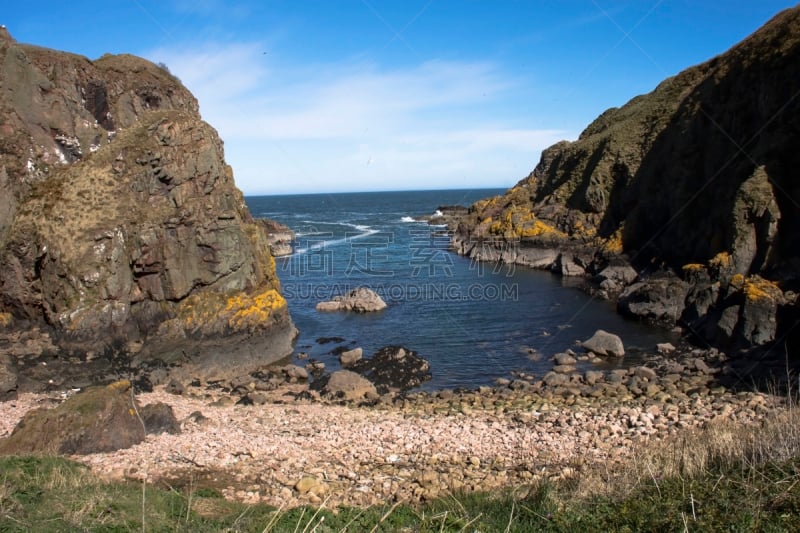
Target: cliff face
pixel 696 180
pixel 121 228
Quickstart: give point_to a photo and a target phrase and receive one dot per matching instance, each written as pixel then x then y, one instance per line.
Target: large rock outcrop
pixel 697 178
pixel 98 420
pixel 121 229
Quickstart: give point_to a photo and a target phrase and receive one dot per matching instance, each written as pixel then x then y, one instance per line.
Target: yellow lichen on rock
pixel 248 311
pixel 613 244
pixel 539 229
pixel 757 288
pixel 693 267
pixel 239 311
pixel 6 319
pixel 521 222
pixel 582 231
pixel 721 260
pixel 121 385
pixel 482 205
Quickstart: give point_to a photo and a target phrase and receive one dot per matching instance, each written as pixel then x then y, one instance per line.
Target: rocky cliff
pixel 684 203
pixel 122 232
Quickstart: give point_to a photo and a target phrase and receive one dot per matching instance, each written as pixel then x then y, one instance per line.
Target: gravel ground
pixel 302 452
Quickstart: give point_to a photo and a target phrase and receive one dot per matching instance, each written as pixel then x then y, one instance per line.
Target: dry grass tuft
pixel 719 446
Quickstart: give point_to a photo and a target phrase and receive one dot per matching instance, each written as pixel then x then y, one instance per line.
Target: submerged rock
pixel 394 368
pixel 350 357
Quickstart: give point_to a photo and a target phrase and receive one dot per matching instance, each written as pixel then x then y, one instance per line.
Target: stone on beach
pixel 101 419
pixel 604 343
pixel 349 386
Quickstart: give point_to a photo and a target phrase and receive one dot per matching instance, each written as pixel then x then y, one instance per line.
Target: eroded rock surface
pixel 122 231
pixel 101 419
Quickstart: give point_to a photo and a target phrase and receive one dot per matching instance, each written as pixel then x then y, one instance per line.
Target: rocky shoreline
pixel 273 438
pixel 297 449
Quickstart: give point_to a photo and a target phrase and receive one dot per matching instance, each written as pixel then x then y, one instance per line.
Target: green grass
pixel 53 494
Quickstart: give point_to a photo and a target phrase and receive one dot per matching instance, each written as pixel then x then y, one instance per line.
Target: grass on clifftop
pixel 723 478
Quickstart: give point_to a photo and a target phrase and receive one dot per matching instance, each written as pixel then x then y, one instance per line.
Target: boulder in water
pixel 604 343
pixel 360 300
pixel 394 368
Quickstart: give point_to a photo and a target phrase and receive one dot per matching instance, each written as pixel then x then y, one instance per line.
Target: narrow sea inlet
pixel 474 322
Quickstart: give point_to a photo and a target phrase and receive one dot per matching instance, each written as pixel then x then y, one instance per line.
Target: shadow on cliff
pixel 721 177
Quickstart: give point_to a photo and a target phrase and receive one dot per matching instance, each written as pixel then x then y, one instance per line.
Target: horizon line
pixel 378 191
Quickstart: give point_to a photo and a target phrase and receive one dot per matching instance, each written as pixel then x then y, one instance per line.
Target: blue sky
pixel 356 95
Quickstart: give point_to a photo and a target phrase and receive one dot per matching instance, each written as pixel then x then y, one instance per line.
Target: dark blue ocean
pixel 473 321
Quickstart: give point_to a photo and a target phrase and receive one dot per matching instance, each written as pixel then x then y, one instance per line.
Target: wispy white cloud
pixel 355 125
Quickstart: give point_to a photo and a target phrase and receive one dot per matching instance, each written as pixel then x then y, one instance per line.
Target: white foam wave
pixel 366 231
pixel 407 219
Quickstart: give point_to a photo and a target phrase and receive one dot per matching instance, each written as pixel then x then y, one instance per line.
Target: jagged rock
pixel 280 238
pixel 159 418
pixel 741 314
pixel 701 366
pixel 620 274
pixel 394 368
pixel 444 215
pixel 120 221
pixel 659 299
pixel 8 380
pixel 360 300
pixel 175 387
pixel 567 266
pixel 348 385
pixel 98 420
pixel 351 356
pixel 604 343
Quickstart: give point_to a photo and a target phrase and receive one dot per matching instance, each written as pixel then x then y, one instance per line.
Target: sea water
pixel 473 321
